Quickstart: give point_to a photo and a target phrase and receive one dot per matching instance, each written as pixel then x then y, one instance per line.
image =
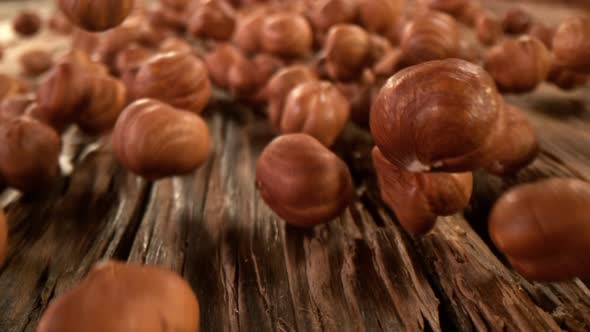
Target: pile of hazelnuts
pixel 431 96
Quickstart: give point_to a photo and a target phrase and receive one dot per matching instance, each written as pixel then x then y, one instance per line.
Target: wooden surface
pixel 251 273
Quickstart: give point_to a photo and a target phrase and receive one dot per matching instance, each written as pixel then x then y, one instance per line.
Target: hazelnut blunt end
pixel 419 198
pixel 529 226
pixel 155 140
pixel 118 297
pixel 302 181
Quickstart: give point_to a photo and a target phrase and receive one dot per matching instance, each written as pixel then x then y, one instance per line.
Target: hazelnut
pixel 516 21
pixel 155 140
pixel 248 31
pixel 175 44
pixel 58 23
pixel 380 16
pixel 544 230
pixel 571 44
pixel 302 181
pixel 27 23
pixel 519 145
pixel 119 297
pixel 35 62
pixel 488 28
pixel 430 36
pixel 96 15
pixel 543 33
pixel 169 19
pixel 219 60
pixel 10 86
pixel 266 66
pixel 279 86
pixel 452 7
pixel 347 51
pixel 323 14
pixel 518 65
pixel 16 105
pixel 243 77
pixel 451 123
pixel 214 19
pixel 566 79
pixel 111 42
pixel 418 199
pixel 389 64
pixel 178 79
pixel 286 35
pixel 3 237
pixel 316 108
pixel 28 154
pixel 106 100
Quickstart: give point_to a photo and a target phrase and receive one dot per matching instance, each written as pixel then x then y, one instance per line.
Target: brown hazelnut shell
pixel 567 79
pixel 543 32
pixel 571 44
pixel 316 108
pixel 451 123
pixel 178 79
pixel 248 30
pixel 218 60
pixel 286 35
pixel 119 297
pixel 543 229
pixel 380 16
pixel 106 100
pixel 35 62
pixel 27 23
pixel 302 181
pixel 488 28
pixel 418 199
pixel 347 50
pixel 453 7
pixel 96 15
pixel 323 14
pixel 16 105
pixel 10 86
pixel 214 19
pixel 29 153
pixel 155 140
pixel 516 21
pixel 518 65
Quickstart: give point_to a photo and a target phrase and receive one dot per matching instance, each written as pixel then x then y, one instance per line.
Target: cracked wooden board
pixel 251 273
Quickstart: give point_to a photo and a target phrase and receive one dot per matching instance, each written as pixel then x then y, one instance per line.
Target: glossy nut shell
pixel 93 15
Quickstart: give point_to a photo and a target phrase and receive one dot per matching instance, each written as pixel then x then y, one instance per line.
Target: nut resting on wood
pixel 544 230
pixel 155 140
pixel 571 44
pixel 302 181
pixel 119 297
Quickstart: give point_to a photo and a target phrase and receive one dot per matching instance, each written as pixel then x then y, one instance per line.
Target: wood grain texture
pixel 361 272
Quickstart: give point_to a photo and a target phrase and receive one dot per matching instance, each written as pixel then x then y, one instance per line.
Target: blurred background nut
pixel 214 19
pixel 347 51
pixel 380 16
pixel 571 44
pixel 35 62
pixel 60 24
pixel 323 14
pixel 27 23
pixel 106 100
pixel 218 60
pixel 453 7
pixel 316 108
pixel 287 35
pixel 302 181
pixel 487 27
pixel 566 79
pixel 131 57
pixel 452 123
pixel 516 21
pixel 248 31
pixel 529 226
pixel 96 15
pixel 418 199
pixel 119 297
pixel 178 79
pixel 430 36
pixel 10 86
pixel 16 105
pixel 28 154
pixel 542 32
pixel 156 140
pixel 518 65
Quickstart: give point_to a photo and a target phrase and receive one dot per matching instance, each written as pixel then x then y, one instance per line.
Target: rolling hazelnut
pixel 214 19
pixel 248 30
pixel 451 123
pixel 519 144
pixel 35 62
pixel 96 15
pixel 516 21
pixel 302 181
pixel 380 16
pixel 3 237
pixel 286 35
pixel 10 86
pixel 278 87
pixel 119 297
pixel 567 79
pixel 347 51
pixel 27 23
pixel 178 79
pixel 543 33
pixel 155 140
pixel 28 154
pixel 488 28
pixel 518 65
pixel 418 199
pixel 571 44
pixel 316 108
pixel 544 230
pixel 430 36
pixel 323 14
pixel 106 101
